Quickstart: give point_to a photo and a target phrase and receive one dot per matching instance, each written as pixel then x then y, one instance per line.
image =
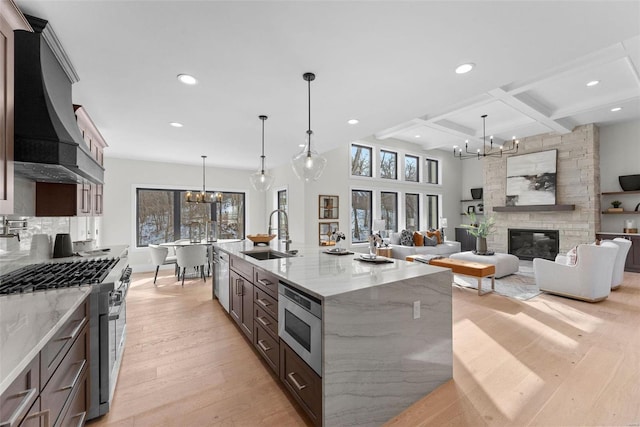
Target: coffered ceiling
pixel 389 64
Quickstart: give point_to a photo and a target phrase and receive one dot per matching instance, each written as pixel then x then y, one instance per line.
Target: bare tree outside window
pixel 155 217
pixel 361 204
pixel 388 164
pixel 412 212
pixel 411 168
pixel 282 204
pixel 389 209
pixel 360 160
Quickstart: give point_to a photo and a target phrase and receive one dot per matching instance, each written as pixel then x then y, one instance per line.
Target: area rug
pixel 521 285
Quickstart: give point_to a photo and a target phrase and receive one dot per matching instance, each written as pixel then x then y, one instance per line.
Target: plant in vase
pixel 374 240
pixel 480 230
pixel 338 236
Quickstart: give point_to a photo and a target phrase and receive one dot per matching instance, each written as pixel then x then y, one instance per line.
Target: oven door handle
pixel 115 315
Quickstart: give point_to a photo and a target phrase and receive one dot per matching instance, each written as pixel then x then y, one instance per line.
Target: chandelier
pixel 489 151
pixel 308 164
pixel 260 180
pixel 201 197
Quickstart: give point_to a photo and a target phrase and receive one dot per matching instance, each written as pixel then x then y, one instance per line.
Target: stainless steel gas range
pixel 109 278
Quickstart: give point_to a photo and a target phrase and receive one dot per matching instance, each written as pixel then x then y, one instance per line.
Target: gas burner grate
pixel 39 277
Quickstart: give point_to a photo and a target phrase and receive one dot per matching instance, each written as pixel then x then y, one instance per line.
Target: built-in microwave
pixel 300 324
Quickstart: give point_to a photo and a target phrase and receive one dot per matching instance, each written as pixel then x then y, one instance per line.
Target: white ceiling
pixel 389 64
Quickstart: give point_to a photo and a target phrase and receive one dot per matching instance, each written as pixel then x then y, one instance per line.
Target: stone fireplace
pixel 528 244
pixel 578 184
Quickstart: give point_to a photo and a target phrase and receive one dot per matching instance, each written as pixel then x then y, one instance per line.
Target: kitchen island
pixel 386 329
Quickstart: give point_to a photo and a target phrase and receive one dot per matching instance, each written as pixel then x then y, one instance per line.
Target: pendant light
pixel 308 164
pixel 201 197
pixel 260 180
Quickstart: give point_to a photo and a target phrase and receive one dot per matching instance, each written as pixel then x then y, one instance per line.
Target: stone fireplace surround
pixel 578 183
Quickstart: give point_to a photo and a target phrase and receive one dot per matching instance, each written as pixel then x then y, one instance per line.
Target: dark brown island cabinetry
pixel 265 318
pixel 633 257
pixel 241 294
pixel 303 383
pixel 53 390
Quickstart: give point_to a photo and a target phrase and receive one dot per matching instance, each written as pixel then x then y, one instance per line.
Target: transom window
pixel 431 171
pixel 388 164
pixel 360 160
pixel 411 168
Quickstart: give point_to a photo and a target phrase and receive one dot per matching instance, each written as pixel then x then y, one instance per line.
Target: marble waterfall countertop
pixel 324 275
pixel 27 323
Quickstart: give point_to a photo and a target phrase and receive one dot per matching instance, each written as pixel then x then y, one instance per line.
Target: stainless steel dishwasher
pixel 221 281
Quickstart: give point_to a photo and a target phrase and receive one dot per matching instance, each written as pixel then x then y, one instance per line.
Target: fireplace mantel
pixel 534 208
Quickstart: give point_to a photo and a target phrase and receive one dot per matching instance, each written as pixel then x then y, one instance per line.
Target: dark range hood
pixel 48 144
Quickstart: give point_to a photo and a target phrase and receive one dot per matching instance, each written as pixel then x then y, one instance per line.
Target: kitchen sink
pixel 268 254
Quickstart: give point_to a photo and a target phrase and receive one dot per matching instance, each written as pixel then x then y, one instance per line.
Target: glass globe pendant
pixel 260 180
pixel 308 164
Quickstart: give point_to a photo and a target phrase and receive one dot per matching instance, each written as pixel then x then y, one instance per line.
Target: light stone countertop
pixel 27 323
pixel 324 275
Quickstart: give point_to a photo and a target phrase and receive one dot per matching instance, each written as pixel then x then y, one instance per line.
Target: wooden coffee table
pixel 466 268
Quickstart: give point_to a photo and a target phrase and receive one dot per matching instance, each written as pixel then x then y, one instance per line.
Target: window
pixel 431 208
pixel 412 212
pixel 411 166
pixel 360 160
pixel 388 164
pixel 389 209
pixel 431 171
pixel 361 202
pixel 282 204
pixel 163 215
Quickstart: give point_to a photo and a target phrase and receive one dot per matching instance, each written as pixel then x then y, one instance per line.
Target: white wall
pixel 123 176
pixel 619 155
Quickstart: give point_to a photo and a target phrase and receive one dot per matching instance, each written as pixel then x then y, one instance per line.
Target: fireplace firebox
pixel 528 244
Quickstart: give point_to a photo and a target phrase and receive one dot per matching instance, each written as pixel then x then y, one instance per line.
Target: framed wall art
pixel 531 179
pixel 328 207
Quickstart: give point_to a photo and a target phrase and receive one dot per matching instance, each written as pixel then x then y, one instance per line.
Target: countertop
pixel 27 323
pixel 324 275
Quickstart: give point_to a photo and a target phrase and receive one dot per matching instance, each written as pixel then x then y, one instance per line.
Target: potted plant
pixel 480 230
pixel 616 204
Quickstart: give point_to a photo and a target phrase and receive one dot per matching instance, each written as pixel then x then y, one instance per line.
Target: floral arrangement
pixel 337 235
pixel 375 239
pixel 480 229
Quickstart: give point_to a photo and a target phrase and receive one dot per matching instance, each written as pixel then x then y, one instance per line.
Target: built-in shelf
pixel 622 213
pixel 611 193
pixel 534 208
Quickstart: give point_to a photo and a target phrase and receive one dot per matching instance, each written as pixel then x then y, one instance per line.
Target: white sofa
pixel 445 249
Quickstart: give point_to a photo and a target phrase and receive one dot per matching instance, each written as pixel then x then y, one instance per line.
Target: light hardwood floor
pixel 549 361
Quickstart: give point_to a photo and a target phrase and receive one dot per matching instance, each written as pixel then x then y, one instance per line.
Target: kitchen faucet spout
pixel 287 240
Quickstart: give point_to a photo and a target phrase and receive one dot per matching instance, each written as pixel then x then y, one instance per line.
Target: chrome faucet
pixel 286 240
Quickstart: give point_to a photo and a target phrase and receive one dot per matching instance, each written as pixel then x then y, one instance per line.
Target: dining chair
pixel 193 256
pixel 160 256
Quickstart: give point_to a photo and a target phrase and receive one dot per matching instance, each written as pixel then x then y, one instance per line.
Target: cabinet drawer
pixel 302 382
pixel 265 302
pixel 20 396
pixel 265 320
pixel 35 417
pixel 76 413
pixel 57 347
pixel 241 266
pixel 67 377
pixel 267 282
pixel 267 346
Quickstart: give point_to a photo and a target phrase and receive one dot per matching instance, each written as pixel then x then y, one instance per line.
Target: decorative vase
pixel 372 248
pixel 338 247
pixel 481 245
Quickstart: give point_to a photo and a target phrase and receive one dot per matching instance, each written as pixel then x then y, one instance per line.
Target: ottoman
pixel 505 263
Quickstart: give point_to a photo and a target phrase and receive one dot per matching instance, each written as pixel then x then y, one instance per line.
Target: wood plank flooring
pixel 549 361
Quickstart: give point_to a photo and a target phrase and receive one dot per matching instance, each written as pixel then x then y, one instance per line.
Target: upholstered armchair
pixel 589 279
pixel 618 268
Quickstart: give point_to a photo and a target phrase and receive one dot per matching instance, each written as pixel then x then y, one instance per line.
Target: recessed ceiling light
pixel 353 121
pixel 187 79
pixel 614 109
pixel 465 68
pixel 416 136
pixel 301 145
pixel 176 124
pixel 593 83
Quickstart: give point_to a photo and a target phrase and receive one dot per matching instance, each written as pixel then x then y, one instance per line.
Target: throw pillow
pixel 437 234
pixel 572 256
pixel 394 238
pixel 430 241
pixel 418 239
pixel 406 238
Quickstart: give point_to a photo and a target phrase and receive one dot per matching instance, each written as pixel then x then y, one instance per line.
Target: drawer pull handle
pixel 29 397
pixel 82 416
pixel 262 345
pixel 76 376
pixel 263 303
pixel 265 282
pixel 44 414
pixel 299 386
pixel 264 322
pixel 75 331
